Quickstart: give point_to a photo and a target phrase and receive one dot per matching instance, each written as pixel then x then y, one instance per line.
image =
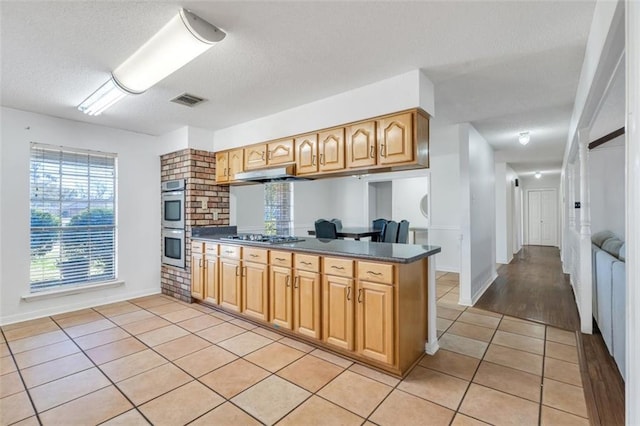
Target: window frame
pixel 282 225
pixel 90 254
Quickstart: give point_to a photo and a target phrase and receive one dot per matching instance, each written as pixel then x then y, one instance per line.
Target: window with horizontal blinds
pixel 278 208
pixel 73 228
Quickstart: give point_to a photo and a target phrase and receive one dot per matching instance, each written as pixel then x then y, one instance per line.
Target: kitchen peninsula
pixel 373 302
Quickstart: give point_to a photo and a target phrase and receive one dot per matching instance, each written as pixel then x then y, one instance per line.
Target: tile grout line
pixel 103 373
pixel 33 405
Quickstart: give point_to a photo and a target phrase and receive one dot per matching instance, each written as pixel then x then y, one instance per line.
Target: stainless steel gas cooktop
pixel 264 239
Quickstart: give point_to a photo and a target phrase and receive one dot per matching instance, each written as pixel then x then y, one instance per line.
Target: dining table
pixel 355 232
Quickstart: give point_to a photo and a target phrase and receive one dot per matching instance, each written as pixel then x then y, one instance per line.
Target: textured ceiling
pixel 503 66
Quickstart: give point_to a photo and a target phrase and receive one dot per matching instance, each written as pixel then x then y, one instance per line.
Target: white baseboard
pixel 56 310
pixel 431 347
pixel 447 268
pixel 484 288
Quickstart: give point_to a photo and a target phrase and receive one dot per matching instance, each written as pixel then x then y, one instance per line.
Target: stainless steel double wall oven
pixel 173 233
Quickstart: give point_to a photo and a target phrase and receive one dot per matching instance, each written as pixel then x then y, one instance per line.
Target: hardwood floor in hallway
pixel 533 287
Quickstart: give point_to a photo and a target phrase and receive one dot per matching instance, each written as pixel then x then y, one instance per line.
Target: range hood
pixel 281 172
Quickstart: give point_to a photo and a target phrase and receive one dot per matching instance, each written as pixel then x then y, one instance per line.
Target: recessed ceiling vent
pixel 187 100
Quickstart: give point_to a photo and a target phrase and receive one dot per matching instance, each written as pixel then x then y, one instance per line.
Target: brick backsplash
pixel 199 169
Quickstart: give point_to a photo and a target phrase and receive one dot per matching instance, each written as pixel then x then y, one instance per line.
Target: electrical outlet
pixel 203 203
pixel 215 215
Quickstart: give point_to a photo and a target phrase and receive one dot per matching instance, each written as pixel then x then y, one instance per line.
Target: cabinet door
pixel 395 139
pixel 236 162
pixel 374 321
pixel 361 144
pixel 306 307
pixel 255 157
pixel 280 151
pixel 280 291
pixel 331 150
pixel 211 279
pixel 307 154
pixel 230 288
pixel 255 301
pixel 337 311
pixel 222 166
pixel 197 268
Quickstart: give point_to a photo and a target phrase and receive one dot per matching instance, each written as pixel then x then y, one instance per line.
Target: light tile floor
pixel 157 360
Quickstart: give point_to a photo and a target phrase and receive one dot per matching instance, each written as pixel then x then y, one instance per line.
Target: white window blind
pixel 73 228
pixel 278 208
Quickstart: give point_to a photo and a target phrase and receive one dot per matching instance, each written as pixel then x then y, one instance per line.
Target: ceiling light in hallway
pixel 523 138
pixel 538 175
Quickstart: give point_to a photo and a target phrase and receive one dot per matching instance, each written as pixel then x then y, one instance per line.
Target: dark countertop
pixel 382 252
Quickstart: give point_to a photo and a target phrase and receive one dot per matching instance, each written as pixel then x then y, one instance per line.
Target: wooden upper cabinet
pixel 280 152
pixel 361 144
pixel 255 156
pixel 307 154
pixel 222 166
pixel 395 139
pixel 236 162
pixel 331 150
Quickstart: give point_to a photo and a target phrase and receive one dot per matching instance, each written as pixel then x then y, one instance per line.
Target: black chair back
pixel 403 232
pixel 325 229
pixel 379 223
pixel 338 223
pixel 390 232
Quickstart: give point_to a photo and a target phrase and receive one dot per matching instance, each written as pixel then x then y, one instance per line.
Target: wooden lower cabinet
pixel 280 291
pixel 306 304
pixel 374 321
pixel 375 312
pixel 211 284
pixel 255 290
pixel 230 284
pixel 197 275
pixel 337 312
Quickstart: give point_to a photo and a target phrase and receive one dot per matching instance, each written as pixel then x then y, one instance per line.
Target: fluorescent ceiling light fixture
pixel 523 138
pixel 181 40
pixel 106 95
pixel 538 175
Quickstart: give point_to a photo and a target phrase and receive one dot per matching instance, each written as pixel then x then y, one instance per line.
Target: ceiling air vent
pixel 187 100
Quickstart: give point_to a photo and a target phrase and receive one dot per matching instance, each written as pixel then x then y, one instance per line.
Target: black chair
pixel 389 232
pixel 326 230
pixel 338 223
pixel 379 223
pixel 403 232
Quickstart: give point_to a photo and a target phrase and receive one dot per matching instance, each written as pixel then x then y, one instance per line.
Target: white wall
pixel 550 181
pixel 408 90
pixel 607 188
pixel 138 198
pixel 444 226
pixel 246 208
pixel 477 182
pixel 505 212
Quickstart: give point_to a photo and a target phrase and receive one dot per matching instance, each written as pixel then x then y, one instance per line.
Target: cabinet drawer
pixel 340 267
pixel 280 258
pixel 254 255
pixel 376 272
pixel 230 252
pixel 306 262
pixel 197 247
pixel 211 249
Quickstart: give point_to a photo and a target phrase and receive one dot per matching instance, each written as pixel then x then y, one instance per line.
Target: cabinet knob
pixel 359 295
pixel 348 293
pixel 372 154
pixel 286 281
pixel 295 283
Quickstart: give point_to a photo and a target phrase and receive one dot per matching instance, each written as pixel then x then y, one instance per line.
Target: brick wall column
pixel 199 169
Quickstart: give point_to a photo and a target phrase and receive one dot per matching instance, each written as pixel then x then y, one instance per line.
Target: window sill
pixel 72 290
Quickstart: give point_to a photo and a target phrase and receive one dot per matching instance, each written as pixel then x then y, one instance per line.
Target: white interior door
pixel 542 217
